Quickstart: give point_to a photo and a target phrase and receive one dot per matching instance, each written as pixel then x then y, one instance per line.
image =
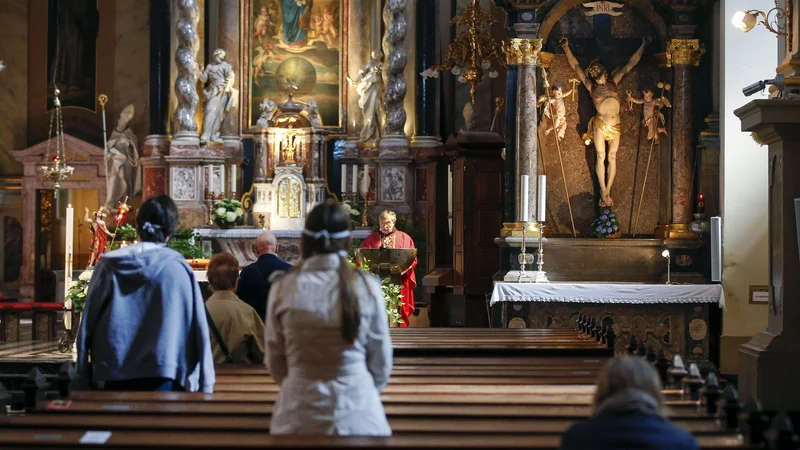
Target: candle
pixel 365 181
pixel 70 223
pixel 233 179
pixel 701 204
pixel 541 205
pixel 355 179
pixel 222 179
pixel 523 198
pixel 344 179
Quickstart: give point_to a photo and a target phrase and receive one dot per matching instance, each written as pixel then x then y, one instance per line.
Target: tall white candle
pixel 541 202
pixel 222 179
pixel 233 179
pixel 365 180
pixel 523 199
pixel 355 179
pixel 344 179
pixel 68 250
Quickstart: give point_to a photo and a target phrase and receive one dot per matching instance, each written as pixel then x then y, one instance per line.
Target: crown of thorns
pixel 595 70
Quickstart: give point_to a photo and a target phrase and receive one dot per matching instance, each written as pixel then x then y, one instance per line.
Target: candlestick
pixel 355 180
pixel 68 250
pixel 344 180
pixel 523 213
pixel 541 205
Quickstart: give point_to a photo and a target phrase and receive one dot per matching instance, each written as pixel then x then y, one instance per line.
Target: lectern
pixel 387 262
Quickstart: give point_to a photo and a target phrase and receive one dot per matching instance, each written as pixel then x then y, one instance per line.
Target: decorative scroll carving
pixel 185 59
pixel 522 51
pixel 393 79
pixel 684 52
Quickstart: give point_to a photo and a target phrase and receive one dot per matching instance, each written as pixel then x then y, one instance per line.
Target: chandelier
pixel 57 170
pixel 473 51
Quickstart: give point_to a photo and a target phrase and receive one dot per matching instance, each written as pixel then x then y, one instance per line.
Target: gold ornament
pixel 684 52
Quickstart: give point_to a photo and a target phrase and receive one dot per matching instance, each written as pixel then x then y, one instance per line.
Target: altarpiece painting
pixel 302 43
pixel 72 30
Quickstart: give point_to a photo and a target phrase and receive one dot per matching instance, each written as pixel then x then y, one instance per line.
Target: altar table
pixel 678 318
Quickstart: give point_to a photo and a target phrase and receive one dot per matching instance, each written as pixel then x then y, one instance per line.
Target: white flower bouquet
pixel 76 295
pixel 228 213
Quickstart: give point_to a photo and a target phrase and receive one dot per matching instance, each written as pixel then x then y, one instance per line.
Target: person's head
pixel 648 95
pixel 376 54
pixel 387 221
pixel 223 272
pixel 264 10
pixel 157 219
pixel 266 243
pixel 328 232
pixel 557 91
pixel 219 55
pixel 628 373
pixel 597 72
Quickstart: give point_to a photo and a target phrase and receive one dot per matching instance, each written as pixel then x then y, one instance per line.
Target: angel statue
pixel 653 119
pixel 100 235
pixel 220 96
pixel 367 86
pixel 122 161
pixel 605 126
pixel 268 109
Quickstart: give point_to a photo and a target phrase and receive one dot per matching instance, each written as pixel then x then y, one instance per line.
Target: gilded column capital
pixel 684 52
pixel 522 51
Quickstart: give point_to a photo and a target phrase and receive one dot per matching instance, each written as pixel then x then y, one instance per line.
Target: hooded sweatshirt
pixel 145 318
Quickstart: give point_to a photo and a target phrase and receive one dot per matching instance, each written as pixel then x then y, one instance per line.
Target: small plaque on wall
pixel 759 295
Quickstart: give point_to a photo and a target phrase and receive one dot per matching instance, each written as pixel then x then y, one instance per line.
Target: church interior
pixel 574 180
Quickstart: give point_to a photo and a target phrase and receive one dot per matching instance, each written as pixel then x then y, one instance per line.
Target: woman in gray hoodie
pixel 144 325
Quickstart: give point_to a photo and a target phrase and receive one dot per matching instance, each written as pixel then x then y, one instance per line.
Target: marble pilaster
pixel 682 55
pixel 525 53
pixel 154 166
pixel 186 82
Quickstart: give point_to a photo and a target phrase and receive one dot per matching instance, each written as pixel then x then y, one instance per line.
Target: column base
pixel 233 146
pixel 186 138
pixel 675 231
pixel 768 371
pixel 394 141
pixel 426 141
pixel 156 145
pixel 514 229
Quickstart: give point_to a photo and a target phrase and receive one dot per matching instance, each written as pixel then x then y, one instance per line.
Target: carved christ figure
pixel 605 126
pixel 100 235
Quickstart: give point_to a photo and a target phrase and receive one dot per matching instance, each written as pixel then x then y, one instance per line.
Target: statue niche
pixel 290 162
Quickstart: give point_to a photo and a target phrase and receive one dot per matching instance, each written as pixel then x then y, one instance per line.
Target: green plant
pixel 228 212
pixel 354 209
pixel 392 296
pixel 126 233
pixel 78 290
pixel 187 249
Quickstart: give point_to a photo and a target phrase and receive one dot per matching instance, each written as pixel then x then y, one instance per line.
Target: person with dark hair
pixel 628 412
pixel 254 284
pixel 239 325
pixel 144 324
pixel 327 337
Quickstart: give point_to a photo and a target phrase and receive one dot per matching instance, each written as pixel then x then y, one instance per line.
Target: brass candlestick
pixel 364 213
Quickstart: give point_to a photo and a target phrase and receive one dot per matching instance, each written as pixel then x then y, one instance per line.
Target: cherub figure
pixel 100 236
pixel 555 110
pixel 653 119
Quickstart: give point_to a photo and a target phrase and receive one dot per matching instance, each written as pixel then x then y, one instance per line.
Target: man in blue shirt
pixel 254 282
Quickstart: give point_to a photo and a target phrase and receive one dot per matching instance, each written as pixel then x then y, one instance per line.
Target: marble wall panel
pixel 132 64
pixel 183 183
pixel 13 82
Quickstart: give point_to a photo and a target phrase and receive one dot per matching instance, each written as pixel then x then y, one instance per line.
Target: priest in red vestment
pixel 389 237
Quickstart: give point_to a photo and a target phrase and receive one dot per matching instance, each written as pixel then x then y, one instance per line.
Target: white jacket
pixel 328 387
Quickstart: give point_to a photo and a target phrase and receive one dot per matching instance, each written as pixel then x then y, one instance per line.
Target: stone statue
pixel 313 114
pixel 653 119
pixel 470 121
pixel 100 236
pixel 220 96
pixel 122 161
pixel 555 112
pixel 605 126
pixel 2 66
pixel 268 110
pixel 368 86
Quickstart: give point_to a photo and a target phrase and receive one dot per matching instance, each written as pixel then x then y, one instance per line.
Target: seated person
pixel 238 323
pixel 628 413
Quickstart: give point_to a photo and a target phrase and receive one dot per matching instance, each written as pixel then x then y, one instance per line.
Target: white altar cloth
pixel 620 293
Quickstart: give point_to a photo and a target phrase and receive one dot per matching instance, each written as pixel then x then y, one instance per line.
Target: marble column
pixel 682 55
pixel 156 144
pixel 393 79
pixel 426 134
pixel 525 53
pixel 228 40
pixel 186 83
pixel 768 364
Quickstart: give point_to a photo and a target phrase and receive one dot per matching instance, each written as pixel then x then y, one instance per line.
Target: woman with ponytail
pixel 327 338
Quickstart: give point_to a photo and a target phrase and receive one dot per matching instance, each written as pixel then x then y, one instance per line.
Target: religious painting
pixel 297 45
pixel 72 29
pixel 393 186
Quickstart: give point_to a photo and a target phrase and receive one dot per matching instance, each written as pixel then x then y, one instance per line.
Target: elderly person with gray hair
pixel 254 281
pixel 628 413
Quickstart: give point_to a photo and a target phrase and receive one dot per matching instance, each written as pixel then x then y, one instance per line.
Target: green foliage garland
pixel 391 295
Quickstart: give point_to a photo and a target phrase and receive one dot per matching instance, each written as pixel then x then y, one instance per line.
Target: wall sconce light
pixel 747 20
pixel 665 254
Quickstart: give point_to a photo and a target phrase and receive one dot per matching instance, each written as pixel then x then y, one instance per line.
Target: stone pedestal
pixel 769 366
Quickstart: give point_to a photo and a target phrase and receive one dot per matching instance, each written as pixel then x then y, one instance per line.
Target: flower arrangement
pixel 354 210
pixel 228 213
pixel 126 233
pixel 78 290
pixel 391 294
pixel 605 225
pixel 185 241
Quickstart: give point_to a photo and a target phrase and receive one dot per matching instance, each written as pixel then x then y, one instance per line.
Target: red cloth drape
pixel 409 279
